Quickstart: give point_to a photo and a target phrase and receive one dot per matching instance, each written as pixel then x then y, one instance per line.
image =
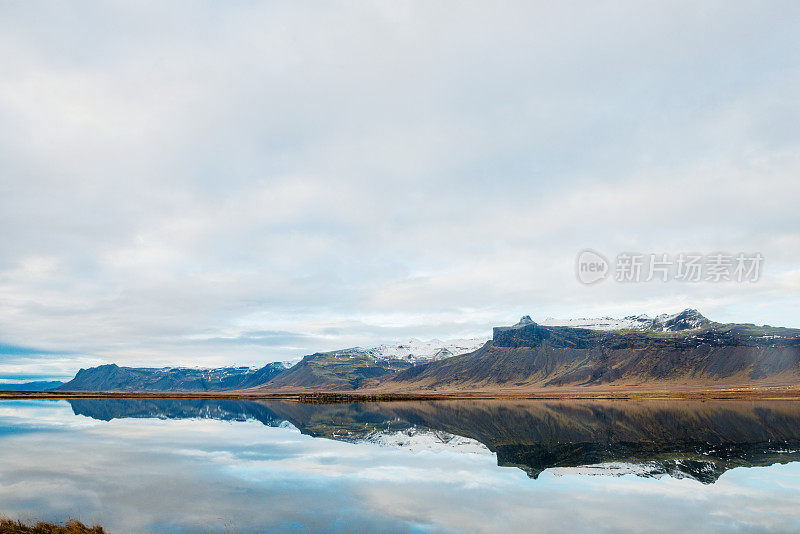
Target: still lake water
pixel 136 465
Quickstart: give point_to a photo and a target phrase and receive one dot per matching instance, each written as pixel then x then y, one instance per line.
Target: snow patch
pixel 416 351
pixel 685 320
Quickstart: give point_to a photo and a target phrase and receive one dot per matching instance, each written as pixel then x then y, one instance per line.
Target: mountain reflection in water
pixel 698 440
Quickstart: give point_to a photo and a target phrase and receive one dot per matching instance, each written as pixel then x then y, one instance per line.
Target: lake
pixel 161 465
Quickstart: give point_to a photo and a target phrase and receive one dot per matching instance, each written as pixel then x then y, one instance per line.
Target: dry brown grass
pixel 645 391
pixel 7 526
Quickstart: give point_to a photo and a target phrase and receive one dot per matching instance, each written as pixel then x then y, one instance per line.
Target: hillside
pixel 688 351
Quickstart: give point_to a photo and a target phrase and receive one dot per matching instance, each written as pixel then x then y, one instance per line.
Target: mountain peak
pixel 688 319
pixel 524 320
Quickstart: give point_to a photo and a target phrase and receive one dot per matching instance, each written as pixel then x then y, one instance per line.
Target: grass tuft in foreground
pixel 7 526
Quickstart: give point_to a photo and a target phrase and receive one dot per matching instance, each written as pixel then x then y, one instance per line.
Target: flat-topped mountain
pixel 684 349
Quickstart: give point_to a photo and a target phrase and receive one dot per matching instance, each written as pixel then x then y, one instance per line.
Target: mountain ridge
pixel 37 385
pixel 111 377
pixel 342 369
pixel 683 349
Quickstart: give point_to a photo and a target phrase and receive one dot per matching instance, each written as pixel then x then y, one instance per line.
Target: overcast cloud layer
pixel 211 183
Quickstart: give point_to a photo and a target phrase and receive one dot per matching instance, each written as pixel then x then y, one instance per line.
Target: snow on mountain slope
pixel 686 320
pixel 220 373
pixel 414 350
pixel 637 322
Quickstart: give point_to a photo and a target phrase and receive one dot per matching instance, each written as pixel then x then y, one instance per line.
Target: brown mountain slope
pixel 333 371
pixel 529 356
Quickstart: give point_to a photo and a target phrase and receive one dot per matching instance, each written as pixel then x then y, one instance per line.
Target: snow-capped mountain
pixel 685 320
pixel 415 351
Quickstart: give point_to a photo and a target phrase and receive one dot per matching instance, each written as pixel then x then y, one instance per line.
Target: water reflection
pixel 201 466
pixel 696 440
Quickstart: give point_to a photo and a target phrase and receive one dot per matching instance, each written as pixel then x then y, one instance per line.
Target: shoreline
pixel 330 397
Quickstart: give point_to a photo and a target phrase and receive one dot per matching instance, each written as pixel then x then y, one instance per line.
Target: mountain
pixel 348 369
pixel 338 370
pixel 684 349
pixel 416 351
pixel 667 351
pixel 31 386
pixel 341 369
pixel 115 378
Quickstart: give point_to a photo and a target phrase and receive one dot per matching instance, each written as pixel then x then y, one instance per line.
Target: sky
pixel 207 183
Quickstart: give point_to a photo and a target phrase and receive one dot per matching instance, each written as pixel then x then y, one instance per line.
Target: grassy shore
pixel 7 526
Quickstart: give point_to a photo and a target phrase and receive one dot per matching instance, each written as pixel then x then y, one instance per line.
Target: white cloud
pixel 174 174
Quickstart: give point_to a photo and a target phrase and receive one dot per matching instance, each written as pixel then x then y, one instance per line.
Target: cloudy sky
pixel 205 183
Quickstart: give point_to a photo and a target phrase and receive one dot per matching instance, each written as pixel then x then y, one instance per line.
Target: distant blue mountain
pixel 32 386
pixel 115 378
